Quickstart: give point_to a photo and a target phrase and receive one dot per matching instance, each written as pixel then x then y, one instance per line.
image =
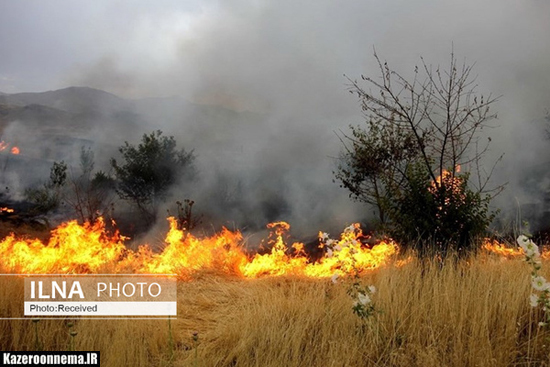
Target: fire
pixel 450 181
pixel 89 248
pixel 6 210
pixel 14 150
pixel 185 254
pixel 493 246
pixel 72 248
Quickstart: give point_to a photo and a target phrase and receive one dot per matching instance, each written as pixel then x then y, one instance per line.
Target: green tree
pixel 48 196
pixel 148 170
pixel 406 162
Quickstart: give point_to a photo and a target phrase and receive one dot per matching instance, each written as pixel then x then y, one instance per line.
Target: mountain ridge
pixel 70 99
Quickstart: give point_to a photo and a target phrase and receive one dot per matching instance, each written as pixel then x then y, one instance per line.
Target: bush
pixel 150 169
pixel 406 161
pixel 438 219
pixel 48 196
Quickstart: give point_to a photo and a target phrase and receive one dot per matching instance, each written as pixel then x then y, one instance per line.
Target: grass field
pixel 475 313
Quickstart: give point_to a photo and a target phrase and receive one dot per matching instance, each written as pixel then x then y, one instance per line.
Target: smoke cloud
pixel 276 72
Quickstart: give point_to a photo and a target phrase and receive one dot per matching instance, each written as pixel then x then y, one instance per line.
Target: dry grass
pixel 24 230
pixel 470 314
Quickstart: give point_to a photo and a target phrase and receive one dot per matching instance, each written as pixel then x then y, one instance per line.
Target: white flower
pixel 323 236
pixel 522 241
pixel 531 249
pixel 329 252
pixel 528 246
pixel 534 300
pixel 329 242
pixel 363 299
pixel 372 289
pixel 542 323
pixel 540 284
pixel 334 278
pixel 337 248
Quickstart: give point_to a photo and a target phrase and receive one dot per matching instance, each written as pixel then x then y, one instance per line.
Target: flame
pixel 450 181
pixel 495 247
pixel 403 262
pixel 185 253
pixel 14 150
pixel 72 248
pixel 6 210
pixel 448 187
pixel 89 248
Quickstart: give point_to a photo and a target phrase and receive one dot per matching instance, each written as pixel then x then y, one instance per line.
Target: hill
pixel 54 125
pixel 76 100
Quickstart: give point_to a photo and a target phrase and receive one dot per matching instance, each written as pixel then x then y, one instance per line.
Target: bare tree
pixel 90 195
pixel 431 122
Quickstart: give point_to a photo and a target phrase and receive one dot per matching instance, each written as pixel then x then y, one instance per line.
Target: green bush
pixel 436 218
pixel 404 162
pixel 150 169
pixel 48 196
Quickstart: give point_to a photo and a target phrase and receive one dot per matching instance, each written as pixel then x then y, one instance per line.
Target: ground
pixel 474 312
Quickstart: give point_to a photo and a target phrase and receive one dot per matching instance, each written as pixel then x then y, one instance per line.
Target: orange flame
pixel 448 179
pixel 90 248
pixel 72 248
pixel 452 189
pixel 13 150
pixel 495 247
pixel 6 210
pixel 87 248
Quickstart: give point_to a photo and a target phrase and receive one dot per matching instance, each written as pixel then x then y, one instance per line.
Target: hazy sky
pixel 253 53
pixel 284 58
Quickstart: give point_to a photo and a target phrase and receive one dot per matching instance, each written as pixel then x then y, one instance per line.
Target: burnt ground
pixel 21 219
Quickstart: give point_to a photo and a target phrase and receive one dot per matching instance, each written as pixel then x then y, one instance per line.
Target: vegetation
pixel 87 194
pixel 418 160
pixel 150 169
pixel 90 195
pixel 464 314
pixel 48 196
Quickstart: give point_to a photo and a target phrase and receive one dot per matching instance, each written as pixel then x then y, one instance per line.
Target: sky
pixel 257 55
pixel 288 60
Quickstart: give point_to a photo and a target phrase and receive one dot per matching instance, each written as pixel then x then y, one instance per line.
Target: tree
pixel 150 169
pixel 90 195
pixel 48 196
pixel 407 161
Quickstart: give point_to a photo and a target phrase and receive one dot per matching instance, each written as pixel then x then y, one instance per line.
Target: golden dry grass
pixel 475 313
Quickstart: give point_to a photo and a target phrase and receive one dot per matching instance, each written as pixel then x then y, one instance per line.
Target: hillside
pixel 75 100
pixel 55 125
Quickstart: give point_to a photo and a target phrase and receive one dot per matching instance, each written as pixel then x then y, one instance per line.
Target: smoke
pixel 276 72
